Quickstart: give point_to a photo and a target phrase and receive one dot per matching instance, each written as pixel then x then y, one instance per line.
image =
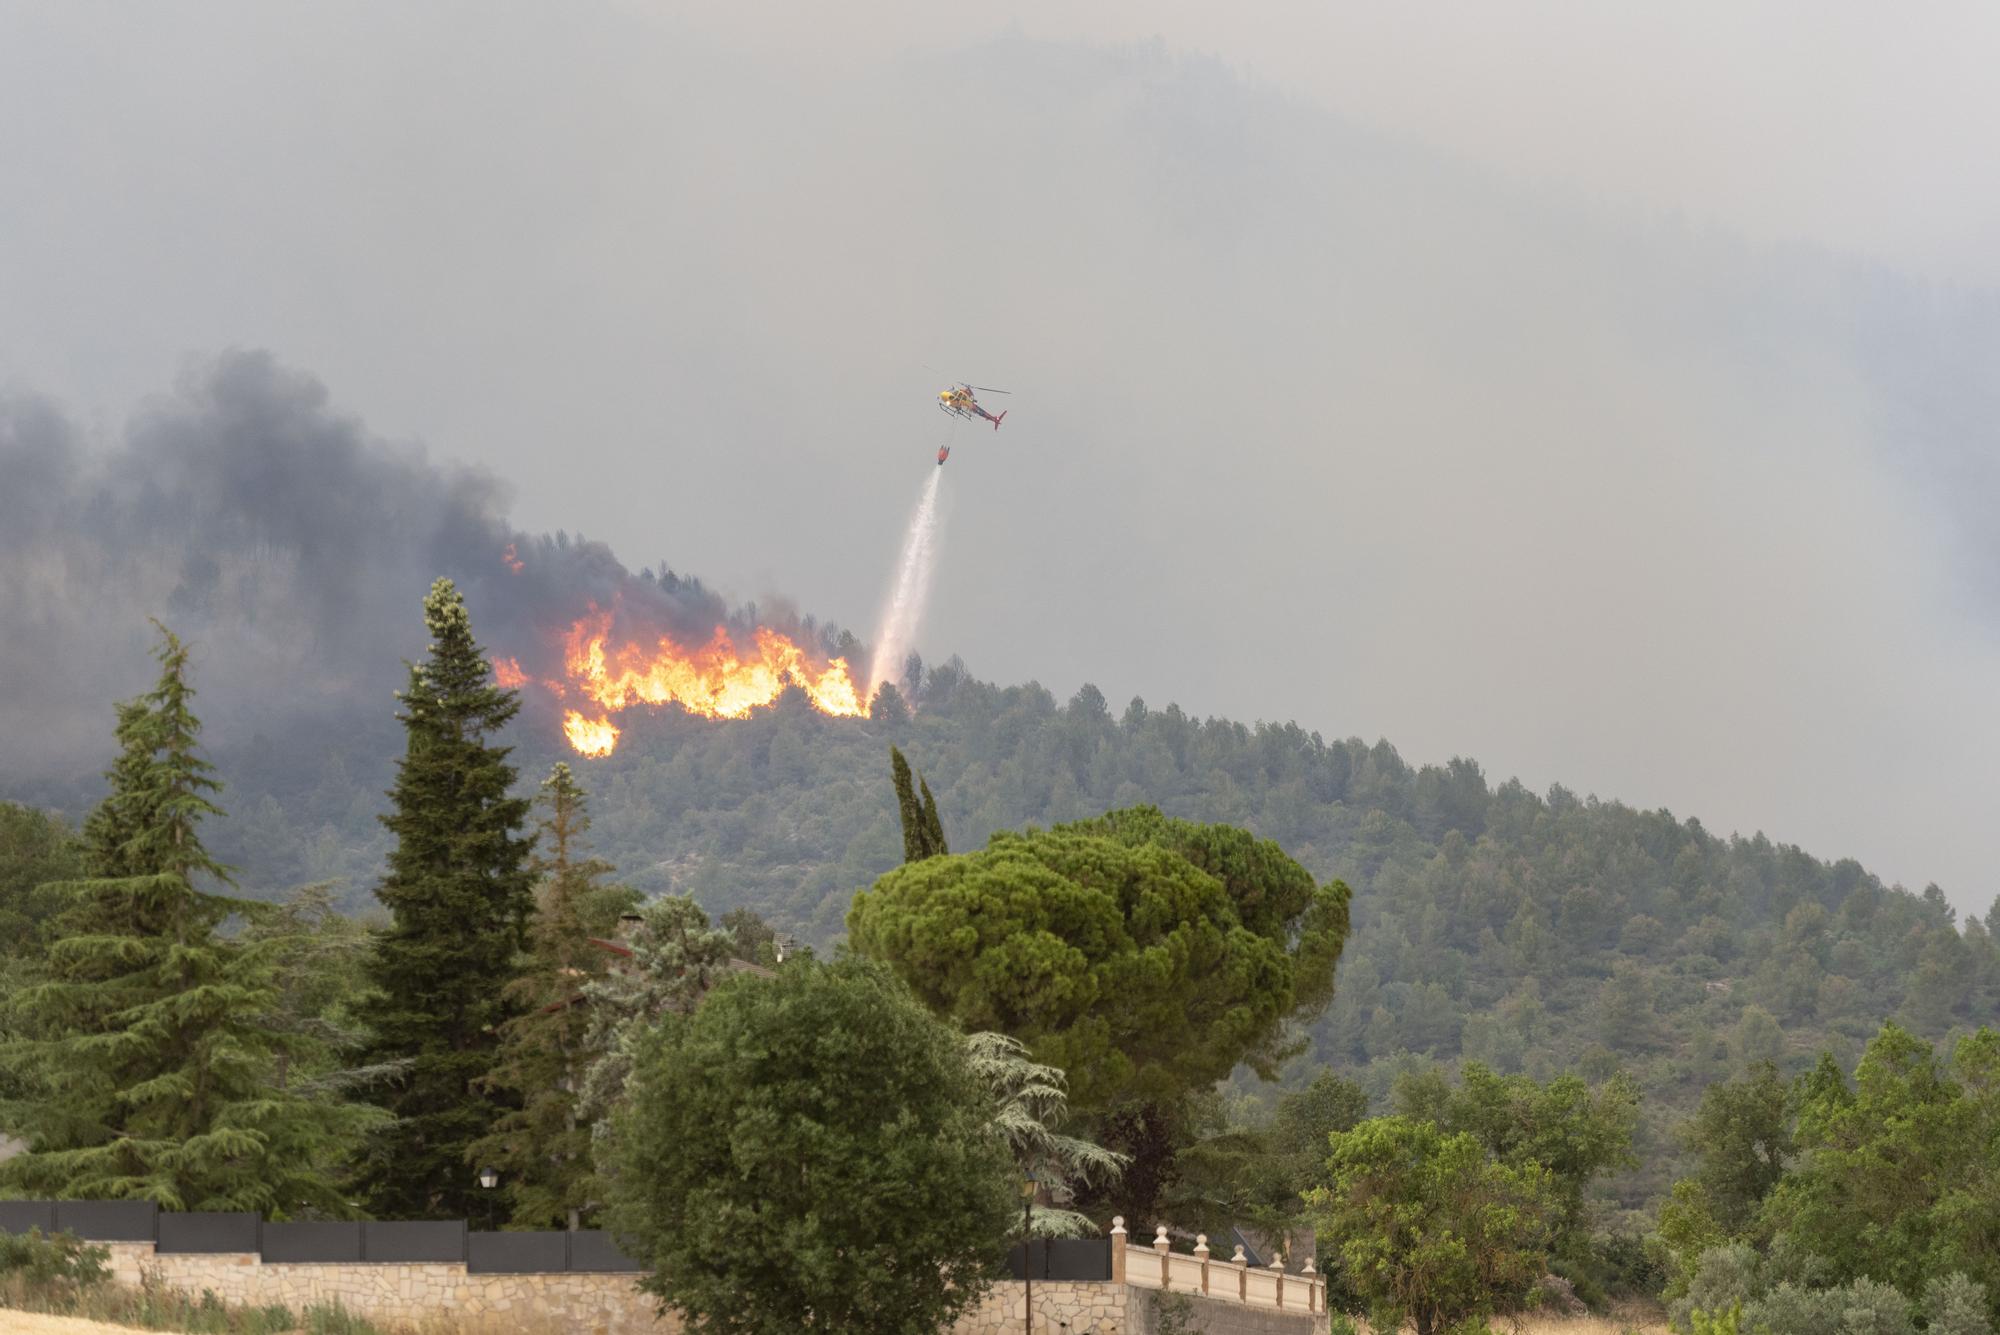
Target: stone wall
pixel 1143 1307
pixel 412 1293
pixel 421 1293
pixel 1075 1306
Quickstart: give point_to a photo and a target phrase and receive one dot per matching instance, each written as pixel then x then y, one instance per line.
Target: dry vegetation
pixel 1639 1321
pixel 34 1323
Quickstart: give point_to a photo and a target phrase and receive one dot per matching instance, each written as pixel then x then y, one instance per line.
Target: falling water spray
pixel 913 586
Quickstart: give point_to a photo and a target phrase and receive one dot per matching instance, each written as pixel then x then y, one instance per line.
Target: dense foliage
pixel 1146 957
pixel 1510 937
pixel 1537 933
pixel 1030 1108
pixel 1433 1230
pixel 1881 1196
pixel 542 1146
pixel 141 1053
pixel 811 1152
pixel 459 895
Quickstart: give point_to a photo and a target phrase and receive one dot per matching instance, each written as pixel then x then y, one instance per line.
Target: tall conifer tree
pixel 145 1067
pixel 923 832
pixel 542 1148
pixel 117 818
pixel 459 893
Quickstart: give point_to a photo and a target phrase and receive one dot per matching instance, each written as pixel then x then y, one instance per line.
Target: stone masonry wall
pixel 1087 1308
pixel 420 1293
pixel 413 1293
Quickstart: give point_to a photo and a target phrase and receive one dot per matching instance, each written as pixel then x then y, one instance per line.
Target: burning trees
pixel 460 895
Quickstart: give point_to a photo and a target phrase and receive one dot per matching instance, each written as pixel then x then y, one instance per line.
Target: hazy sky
pixel 1606 394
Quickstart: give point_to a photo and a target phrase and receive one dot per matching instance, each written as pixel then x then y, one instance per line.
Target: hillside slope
pixel 1534 932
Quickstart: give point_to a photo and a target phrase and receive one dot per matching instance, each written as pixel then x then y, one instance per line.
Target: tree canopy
pixel 1143 956
pixel 1574 1132
pixel 141 1051
pixel 1536 931
pixel 810 1152
pixel 1830 1196
pixel 1430 1228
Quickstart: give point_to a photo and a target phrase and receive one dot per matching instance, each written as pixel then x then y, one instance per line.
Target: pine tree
pixel 542 1148
pixel 459 895
pixel 677 956
pixel 142 1053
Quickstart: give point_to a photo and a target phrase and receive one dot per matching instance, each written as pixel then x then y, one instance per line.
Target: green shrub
pixel 1793 1309
pixel 1956 1306
pixel 1864 1307
pixel 1726 1278
pixel 333 1319
pixel 1723 1324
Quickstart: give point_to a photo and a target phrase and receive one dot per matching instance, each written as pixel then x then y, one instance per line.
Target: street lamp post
pixel 1027 1238
pixel 489 1178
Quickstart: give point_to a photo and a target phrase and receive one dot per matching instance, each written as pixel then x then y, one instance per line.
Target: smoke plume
pixel 288 544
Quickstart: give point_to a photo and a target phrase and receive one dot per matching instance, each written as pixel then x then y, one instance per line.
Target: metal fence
pixel 1062 1258
pixel 322 1242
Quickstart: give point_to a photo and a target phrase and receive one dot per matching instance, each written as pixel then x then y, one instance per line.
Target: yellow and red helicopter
pixel 959 402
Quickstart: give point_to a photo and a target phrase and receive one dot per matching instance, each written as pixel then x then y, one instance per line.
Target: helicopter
pixel 958 401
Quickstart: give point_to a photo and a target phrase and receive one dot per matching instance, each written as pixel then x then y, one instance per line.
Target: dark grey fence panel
pixel 108 1221
pixel 208 1231
pixel 1063 1258
pixel 312 1240
pixel 20 1216
pixel 414 1240
pixel 590 1249
pixel 516 1253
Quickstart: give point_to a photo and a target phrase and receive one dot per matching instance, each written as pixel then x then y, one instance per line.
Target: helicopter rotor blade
pixel 988 389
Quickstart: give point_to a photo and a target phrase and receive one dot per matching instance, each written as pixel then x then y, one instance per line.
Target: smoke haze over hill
pixel 1313 419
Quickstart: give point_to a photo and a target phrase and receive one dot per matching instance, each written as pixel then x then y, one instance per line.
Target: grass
pixel 1638 1321
pixel 157 1308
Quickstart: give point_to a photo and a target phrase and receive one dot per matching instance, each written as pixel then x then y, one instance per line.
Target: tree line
pixel 1132 1012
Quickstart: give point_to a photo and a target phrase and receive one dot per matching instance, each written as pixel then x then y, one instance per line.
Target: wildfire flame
pixel 590 736
pixel 511 561
pixel 716 680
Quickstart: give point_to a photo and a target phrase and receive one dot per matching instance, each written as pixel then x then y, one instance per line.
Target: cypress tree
pixel 542 1148
pixel 459 894
pixel 923 832
pixel 934 844
pixel 908 812
pixel 140 1053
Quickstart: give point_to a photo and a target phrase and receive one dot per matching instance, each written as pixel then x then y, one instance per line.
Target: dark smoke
pixel 288 544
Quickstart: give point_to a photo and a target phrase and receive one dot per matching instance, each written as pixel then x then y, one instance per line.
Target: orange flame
pixel 716 680
pixel 590 736
pixel 511 561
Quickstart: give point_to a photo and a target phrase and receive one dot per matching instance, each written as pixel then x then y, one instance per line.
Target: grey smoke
pixel 291 546
pixel 1402 373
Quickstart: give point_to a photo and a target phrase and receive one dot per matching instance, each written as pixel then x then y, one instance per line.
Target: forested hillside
pixel 1533 932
